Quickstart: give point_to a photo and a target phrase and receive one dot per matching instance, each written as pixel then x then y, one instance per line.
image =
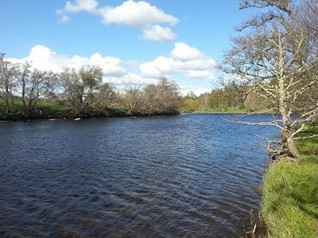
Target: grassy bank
pixel 229 110
pixel 290 195
pixel 49 109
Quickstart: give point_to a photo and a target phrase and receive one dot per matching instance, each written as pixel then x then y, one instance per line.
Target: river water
pixel 191 175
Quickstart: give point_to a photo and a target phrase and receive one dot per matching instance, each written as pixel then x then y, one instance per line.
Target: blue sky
pixel 135 42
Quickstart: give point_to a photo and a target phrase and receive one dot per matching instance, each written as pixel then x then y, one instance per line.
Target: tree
pixel 133 100
pixel 80 87
pixel 190 102
pixel 154 99
pixel 106 98
pixel 275 56
pixel 162 98
pixel 203 101
pixel 8 73
pixel 34 85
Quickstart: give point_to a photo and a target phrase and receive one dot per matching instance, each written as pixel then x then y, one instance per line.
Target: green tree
pixel 190 102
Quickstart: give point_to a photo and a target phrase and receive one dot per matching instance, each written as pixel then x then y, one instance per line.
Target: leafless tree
pixel 106 98
pixel 34 85
pixel 153 99
pixel 162 98
pixel 133 100
pixel 8 73
pixel 276 58
pixel 80 87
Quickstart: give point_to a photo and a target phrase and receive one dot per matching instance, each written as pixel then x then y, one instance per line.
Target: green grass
pixel 230 110
pixel 290 199
pixel 233 110
pixel 44 109
pixel 308 146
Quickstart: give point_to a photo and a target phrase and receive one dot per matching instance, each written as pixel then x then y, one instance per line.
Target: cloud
pixel 158 33
pixel 43 58
pixel 122 74
pixel 140 14
pixel 129 79
pixel 111 66
pixel 185 89
pixel 89 6
pixel 184 60
pixel 184 52
pixel 81 5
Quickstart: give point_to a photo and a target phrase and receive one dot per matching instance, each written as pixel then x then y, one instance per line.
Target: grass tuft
pixel 290 199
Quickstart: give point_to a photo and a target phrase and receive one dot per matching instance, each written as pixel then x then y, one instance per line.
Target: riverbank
pixel 231 110
pixel 290 195
pixel 47 110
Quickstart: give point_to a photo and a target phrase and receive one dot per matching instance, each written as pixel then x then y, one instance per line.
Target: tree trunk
pixel 288 144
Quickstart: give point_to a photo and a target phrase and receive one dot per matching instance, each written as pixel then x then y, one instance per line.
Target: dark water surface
pixel 181 176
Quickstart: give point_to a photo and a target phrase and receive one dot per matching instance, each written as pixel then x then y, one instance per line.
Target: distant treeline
pixel 238 97
pixel 28 93
pixel 228 97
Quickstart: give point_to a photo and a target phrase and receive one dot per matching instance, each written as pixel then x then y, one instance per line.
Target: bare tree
pixel 154 99
pixel 133 100
pixel 162 98
pixel 106 98
pixel 8 73
pixel 80 87
pixel 34 85
pixel 275 57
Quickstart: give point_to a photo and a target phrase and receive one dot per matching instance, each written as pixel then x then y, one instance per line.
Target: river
pixel 191 175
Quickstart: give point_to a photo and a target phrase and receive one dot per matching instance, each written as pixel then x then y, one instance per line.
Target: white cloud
pixel 122 74
pixel 63 18
pixel 184 52
pixel 114 70
pixel 129 79
pixel 158 33
pixel 199 74
pixel 140 14
pixel 81 5
pixel 111 66
pixel 149 69
pixel 89 6
pixel 43 58
pixel 191 62
pixel 185 89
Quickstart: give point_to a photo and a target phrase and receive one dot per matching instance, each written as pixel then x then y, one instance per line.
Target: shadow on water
pixel 181 176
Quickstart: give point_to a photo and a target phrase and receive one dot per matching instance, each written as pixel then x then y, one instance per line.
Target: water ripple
pixel 183 176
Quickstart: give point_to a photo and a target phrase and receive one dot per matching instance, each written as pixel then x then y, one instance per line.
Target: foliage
pixel 232 97
pixel 190 103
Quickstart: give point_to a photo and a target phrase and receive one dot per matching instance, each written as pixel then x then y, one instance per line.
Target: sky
pixel 134 42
